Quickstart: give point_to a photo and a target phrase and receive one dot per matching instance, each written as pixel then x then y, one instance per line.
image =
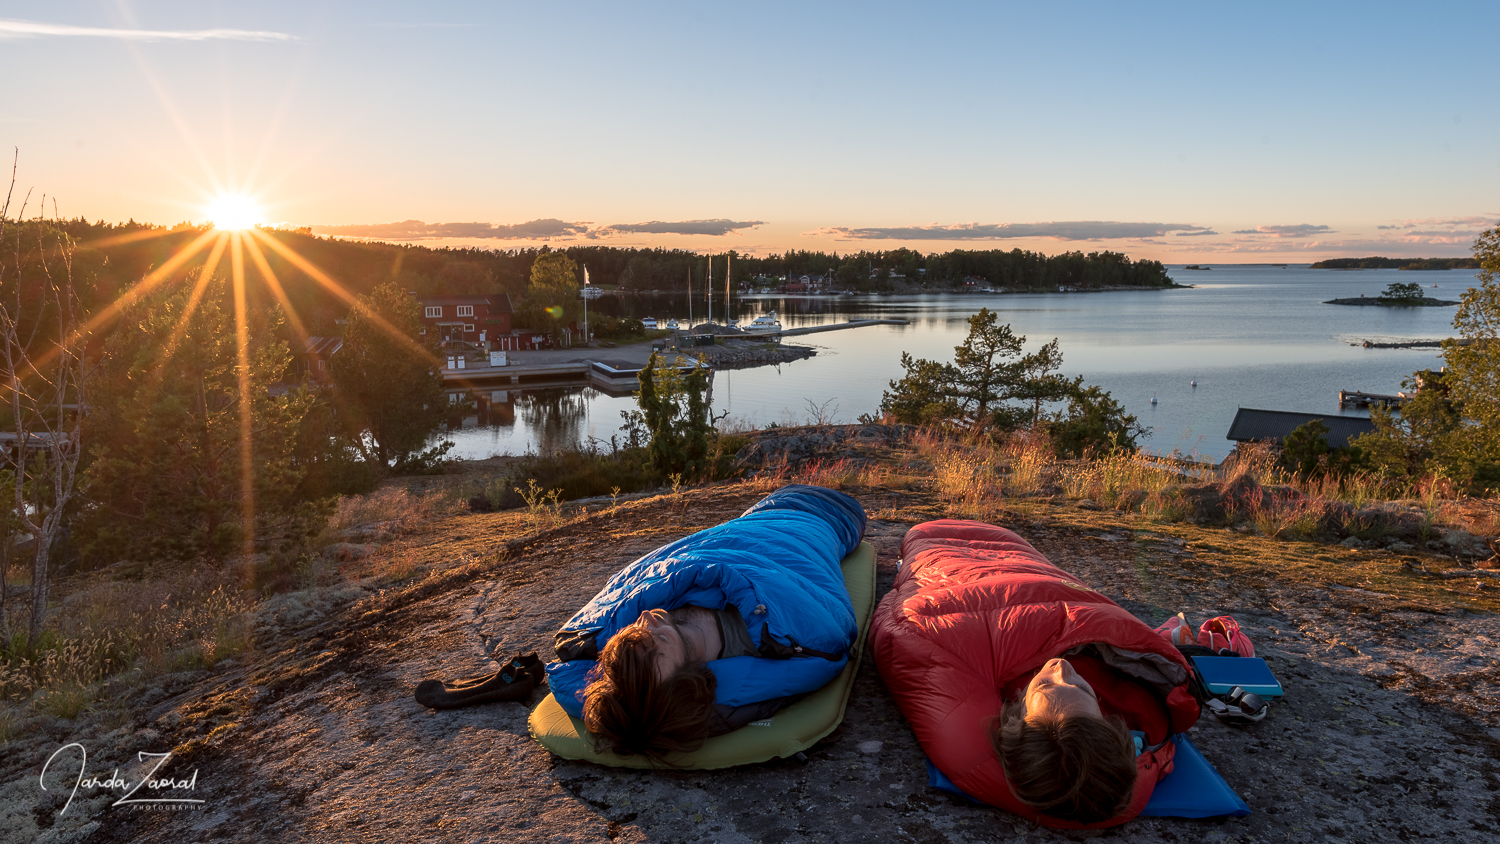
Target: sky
pixel 1186 133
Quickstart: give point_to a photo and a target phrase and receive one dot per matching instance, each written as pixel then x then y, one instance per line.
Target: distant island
pixel 1196 267
pixel 1396 295
pixel 1379 263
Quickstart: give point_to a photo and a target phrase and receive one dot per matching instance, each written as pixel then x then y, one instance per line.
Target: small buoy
pixel 1153 399
pixel 1193 383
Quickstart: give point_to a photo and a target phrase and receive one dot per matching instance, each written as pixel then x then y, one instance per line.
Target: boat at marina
pixel 672 325
pixel 649 323
pixel 764 323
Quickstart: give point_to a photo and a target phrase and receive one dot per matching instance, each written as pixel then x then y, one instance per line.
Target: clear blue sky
pixel 1191 132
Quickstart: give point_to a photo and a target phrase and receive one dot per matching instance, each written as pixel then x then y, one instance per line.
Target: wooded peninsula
pixel 1379 263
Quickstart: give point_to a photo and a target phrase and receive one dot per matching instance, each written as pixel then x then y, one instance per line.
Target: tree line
pixel 1379 263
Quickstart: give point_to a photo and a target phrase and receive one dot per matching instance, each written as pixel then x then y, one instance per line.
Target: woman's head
pixel 1059 752
pixel 646 697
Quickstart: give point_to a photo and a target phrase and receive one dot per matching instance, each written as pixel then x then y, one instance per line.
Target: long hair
pixel 1079 769
pixel 630 712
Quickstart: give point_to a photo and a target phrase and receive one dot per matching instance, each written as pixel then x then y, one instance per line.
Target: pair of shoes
pixel 515 681
pixel 1239 707
pixel 1221 635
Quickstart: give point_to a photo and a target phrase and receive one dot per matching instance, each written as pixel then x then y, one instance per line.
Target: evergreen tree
pixel 167 435
pixel 1474 369
pixel 675 415
pixel 390 395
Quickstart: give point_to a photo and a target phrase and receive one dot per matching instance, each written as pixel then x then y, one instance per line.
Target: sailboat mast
pixel 727 259
pixel 710 287
pixel 690 296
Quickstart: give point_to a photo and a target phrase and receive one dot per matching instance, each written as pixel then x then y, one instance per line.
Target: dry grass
pixel 395 509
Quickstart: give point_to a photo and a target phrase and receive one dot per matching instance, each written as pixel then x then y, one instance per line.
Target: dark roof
pixel 322 345
pixel 499 302
pixel 1252 425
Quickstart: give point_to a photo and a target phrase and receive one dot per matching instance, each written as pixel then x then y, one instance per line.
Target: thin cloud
pixel 1081 230
pixel 35 29
pixel 1299 230
pixel 418 230
pixel 1482 221
pixel 1196 234
pixel 715 228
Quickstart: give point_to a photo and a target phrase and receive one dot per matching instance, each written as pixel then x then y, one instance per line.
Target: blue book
pixel 1222 673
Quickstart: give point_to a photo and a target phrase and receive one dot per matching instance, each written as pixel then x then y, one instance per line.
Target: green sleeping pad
pixel 790 731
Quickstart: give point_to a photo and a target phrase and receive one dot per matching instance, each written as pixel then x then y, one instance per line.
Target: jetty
pixel 616 375
pixel 1354 398
pixel 836 326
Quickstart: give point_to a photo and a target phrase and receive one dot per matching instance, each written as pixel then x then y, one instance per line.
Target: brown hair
pixel 1079 769
pixel 630 712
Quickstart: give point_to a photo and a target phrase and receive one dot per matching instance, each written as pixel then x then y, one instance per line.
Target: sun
pixel 233 212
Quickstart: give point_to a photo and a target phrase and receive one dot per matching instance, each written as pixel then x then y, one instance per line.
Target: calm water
pixel 1250 336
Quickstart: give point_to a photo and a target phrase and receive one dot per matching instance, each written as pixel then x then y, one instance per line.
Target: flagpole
pixel 585 306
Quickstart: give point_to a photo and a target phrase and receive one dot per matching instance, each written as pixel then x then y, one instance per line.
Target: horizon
pixel 1353 133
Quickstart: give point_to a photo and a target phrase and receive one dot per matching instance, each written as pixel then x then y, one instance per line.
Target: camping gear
pixel 974 611
pixel 513 682
pixel 1193 789
pixel 1222 635
pixel 1177 631
pixel 1220 674
pixel 778 564
pixel 788 732
pixel 1238 708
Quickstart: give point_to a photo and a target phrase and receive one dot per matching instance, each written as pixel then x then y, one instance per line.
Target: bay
pixel 1250 336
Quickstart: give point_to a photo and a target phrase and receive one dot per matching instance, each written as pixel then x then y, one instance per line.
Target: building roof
pixel 322 345
pixel 1251 425
pixel 499 302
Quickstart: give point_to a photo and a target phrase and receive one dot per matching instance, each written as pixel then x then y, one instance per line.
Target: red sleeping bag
pixel 974 612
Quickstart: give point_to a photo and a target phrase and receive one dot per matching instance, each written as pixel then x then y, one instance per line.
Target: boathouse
pixel 1251 425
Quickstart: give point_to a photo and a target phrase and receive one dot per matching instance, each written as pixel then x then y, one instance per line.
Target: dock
pixel 612 377
pixel 1354 398
pixel 816 329
pixel 615 376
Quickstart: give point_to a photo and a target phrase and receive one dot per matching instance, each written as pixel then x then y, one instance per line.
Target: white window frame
pixel 434 311
pixel 468 329
pixel 465 310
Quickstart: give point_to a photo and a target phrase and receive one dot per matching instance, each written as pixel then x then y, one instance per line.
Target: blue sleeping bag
pixel 778 564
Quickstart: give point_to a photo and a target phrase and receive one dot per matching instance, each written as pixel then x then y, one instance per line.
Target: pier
pixel 613 375
pixel 836 326
pixel 1354 398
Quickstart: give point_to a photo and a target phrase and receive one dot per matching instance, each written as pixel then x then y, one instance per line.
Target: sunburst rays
pixel 238 244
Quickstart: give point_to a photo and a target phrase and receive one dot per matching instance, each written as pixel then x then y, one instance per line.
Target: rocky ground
pixel 1388 731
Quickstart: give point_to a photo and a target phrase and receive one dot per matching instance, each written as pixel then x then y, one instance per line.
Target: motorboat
pixel 766 322
pixel 672 325
pixel 649 323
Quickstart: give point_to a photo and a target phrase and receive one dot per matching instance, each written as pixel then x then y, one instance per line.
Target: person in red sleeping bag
pixel 1023 684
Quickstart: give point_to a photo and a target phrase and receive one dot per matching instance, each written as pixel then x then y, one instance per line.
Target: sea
pixel 1181 360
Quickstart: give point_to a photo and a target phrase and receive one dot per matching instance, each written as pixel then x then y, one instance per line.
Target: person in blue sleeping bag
pixel 724 627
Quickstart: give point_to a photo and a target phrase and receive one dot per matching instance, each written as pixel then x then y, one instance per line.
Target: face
pixel 1057 691
pixel 671 650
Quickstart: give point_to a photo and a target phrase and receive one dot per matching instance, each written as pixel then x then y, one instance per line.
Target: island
pixel 1397 295
pixel 1196 267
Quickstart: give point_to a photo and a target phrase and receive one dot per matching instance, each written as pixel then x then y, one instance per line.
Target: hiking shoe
pixel 506 684
pixel 1176 631
pixel 1223 636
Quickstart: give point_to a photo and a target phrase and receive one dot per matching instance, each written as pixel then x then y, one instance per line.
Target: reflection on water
pixel 1249 336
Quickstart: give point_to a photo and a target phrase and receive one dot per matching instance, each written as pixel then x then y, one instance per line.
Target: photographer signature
pixel 151 782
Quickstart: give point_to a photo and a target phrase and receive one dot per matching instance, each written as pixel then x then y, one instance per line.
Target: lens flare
pixel 233 212
pixel 555 312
